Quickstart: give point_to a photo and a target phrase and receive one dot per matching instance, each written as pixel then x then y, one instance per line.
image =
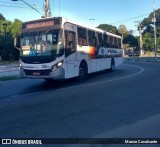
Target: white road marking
pixel 116 79
pixel 141 70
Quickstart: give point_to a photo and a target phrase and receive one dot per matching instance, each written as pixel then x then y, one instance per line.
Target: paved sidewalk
pixel 9 70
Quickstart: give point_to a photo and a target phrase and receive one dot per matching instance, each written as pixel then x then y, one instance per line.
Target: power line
pixel 132 18
pixel 17 6
pixel 31 7
pixel 13 6
pixel 11 3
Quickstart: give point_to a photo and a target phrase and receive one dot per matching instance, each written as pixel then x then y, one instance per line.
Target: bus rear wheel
pixel 112 65
pixel 83 72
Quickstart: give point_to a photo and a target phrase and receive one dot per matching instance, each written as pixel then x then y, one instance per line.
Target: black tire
pixel 83 72
pixel 112 65
pixel 49 80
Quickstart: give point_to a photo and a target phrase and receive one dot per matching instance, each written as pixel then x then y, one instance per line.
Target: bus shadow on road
pixel 56 84
pixel 43 85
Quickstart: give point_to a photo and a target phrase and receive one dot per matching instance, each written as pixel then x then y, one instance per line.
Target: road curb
pixel 143 59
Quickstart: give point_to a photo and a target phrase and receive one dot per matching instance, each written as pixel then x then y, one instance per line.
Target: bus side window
pixel 114 42
pixel 111 41
pixel 82 36
pixel 70 38
pixel 100 40
pixel 106 42
pixel 92 38
pixel 119 43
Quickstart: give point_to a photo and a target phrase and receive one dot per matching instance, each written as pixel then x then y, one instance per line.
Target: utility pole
pixel 47 8
pixel 140 36
pixel 155 32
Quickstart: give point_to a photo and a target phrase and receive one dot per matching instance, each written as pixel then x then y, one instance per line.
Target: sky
pixel 113 12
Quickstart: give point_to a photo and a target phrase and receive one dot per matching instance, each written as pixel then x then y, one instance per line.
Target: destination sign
pixel 40 25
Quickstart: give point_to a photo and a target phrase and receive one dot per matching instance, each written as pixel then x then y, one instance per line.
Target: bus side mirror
pixel 17 42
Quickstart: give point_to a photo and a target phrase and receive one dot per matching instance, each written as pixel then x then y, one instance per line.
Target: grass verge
pixel 2 63
pixel 9 78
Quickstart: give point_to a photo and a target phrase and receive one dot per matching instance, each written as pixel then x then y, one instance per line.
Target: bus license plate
pixel 36 73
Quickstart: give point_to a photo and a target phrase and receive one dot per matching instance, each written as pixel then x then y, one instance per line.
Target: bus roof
pixel 59 21
pixel 65 20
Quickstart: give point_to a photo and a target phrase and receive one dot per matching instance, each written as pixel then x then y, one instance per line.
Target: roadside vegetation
pixel 7 50
pixel 7 78
pixel 130 41
pixel 15 62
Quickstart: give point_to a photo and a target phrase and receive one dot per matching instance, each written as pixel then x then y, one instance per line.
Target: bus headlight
pixel 56 66
pixel 21 67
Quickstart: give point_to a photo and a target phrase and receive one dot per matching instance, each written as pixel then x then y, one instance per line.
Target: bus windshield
pixel 42 43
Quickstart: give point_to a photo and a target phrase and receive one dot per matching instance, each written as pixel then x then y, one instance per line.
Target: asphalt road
pixel 123 103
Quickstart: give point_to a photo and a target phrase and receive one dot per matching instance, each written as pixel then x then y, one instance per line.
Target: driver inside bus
pixel 33 51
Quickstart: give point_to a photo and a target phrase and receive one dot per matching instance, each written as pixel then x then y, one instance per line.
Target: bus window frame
pixel 92 35
pixel 82 36
pixel 70 50
pixel 111 41
pixel 100 39
pixel 119 43
pixel 106 40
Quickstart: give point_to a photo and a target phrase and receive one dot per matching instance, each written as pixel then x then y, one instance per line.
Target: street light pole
pixel 28 5
pixel 92 19
pixel 155 34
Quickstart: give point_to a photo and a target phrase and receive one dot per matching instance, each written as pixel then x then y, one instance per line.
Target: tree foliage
pixel 148 42
pixel 108 28
pixel 16 27
pixel 129 39
pixel 2 17
pixel 122 29
pixel 148 31
pixel 7 50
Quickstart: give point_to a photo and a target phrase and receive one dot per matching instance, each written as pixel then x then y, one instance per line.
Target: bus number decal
pixel 44 66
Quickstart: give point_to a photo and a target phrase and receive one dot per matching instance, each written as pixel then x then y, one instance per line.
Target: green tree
pixel 122 29
pixel 16 27
pixel 131 40
pixel 6 37
pixel 108 28
pixel 7 50
pixel 148 42
pixel 148 32
pixel 2 17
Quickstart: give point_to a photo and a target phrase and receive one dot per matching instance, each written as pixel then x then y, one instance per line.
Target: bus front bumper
pixel 43 74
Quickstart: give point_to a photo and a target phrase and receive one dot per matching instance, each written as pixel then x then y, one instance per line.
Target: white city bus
pixel 55 48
